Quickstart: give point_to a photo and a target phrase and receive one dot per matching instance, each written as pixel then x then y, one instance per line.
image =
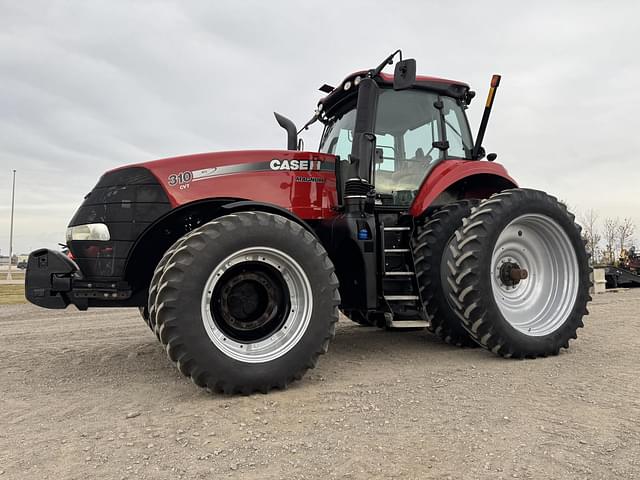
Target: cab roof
pixel 346 91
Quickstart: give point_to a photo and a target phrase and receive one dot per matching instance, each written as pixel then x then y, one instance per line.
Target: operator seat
pixel 411 171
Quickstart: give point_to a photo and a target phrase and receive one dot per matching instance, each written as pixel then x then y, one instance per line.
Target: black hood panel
pixel 127 201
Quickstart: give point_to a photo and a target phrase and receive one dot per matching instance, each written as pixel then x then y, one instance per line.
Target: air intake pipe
pixel 359 167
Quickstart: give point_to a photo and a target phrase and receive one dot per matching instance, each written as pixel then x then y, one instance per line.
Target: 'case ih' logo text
pixel 277 164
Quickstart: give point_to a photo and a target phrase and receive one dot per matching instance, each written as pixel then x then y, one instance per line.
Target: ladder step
pixel 408 324
pixel 397 229
pixel 399 274
pixel 399 298
pixel 396 250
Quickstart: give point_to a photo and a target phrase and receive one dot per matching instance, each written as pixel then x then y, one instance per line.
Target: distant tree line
pixel 606 240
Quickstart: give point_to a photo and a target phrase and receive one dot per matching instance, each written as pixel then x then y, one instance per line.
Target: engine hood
pixel 245 174
pixel 222 161
pixel 131 199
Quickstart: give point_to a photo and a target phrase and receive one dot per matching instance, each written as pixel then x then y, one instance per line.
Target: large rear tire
pixel 247 304
pixel 521 277
pixel 432 261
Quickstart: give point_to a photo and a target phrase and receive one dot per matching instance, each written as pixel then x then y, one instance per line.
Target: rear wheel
pixel 433 259
pixel 247 304
pixel 521 274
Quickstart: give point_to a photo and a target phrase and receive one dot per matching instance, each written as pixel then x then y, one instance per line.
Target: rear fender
pixel 453 180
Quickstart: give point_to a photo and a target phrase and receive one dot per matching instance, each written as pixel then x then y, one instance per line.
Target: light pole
pixel 13 202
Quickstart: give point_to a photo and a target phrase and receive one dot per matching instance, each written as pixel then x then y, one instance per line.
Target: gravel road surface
pixel 93 395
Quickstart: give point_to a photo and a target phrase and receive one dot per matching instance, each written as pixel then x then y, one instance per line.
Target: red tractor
pixel 241 261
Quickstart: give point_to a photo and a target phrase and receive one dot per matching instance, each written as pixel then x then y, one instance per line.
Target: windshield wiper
pixel 452 128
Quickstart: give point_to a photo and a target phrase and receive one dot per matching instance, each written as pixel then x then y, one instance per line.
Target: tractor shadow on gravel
pixel 142 361
pixel 354 341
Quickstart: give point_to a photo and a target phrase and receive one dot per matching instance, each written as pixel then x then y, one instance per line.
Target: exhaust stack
pixel 495 81
pixel 292 131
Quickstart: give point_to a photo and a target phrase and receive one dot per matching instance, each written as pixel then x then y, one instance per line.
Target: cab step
pixel 396 229
pixel 399 284
pixel 401 298
pixel 399 274
pixel 408 324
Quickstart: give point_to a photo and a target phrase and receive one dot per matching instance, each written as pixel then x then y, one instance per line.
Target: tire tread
pixel 176 264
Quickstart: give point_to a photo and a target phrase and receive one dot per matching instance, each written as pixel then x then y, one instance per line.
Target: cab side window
pixel 460 144
pixel 343 145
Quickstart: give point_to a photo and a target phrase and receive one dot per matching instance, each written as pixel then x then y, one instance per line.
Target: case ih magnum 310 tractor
pixel 240 261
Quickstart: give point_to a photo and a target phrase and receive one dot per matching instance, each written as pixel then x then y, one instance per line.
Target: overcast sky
pixel 86 86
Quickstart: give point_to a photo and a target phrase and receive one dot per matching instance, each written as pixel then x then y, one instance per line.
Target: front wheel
pixel 521 274
pixel 247 303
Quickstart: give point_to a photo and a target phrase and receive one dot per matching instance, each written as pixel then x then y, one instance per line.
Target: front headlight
pixel 91 231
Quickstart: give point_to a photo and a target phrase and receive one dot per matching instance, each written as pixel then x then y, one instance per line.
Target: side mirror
pixel 404 75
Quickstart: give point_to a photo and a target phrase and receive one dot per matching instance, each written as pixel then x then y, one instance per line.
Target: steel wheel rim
pixel 293 326
pixel 540 304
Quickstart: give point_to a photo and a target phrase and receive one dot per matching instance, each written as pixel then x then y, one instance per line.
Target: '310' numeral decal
pixel 180 178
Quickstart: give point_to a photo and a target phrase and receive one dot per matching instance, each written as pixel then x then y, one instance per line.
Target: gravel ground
pixel 92 395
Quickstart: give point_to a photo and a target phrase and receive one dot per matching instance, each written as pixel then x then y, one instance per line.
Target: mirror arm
pixel 387 61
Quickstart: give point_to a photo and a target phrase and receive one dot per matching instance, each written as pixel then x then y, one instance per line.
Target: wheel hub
pixel 256 304
pixel 249 300
pixel 511 274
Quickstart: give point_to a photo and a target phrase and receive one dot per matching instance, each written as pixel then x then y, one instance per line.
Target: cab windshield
pixel 408 129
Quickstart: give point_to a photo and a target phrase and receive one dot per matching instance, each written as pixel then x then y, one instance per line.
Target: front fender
pixel 248 205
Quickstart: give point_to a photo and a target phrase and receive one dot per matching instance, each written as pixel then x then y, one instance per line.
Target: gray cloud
pixel 88 86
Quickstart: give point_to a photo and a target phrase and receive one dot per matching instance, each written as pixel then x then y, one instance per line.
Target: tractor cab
pixel 415 129
pixel 390 135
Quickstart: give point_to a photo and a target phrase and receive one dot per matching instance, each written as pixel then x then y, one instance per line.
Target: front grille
pixel 127 201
